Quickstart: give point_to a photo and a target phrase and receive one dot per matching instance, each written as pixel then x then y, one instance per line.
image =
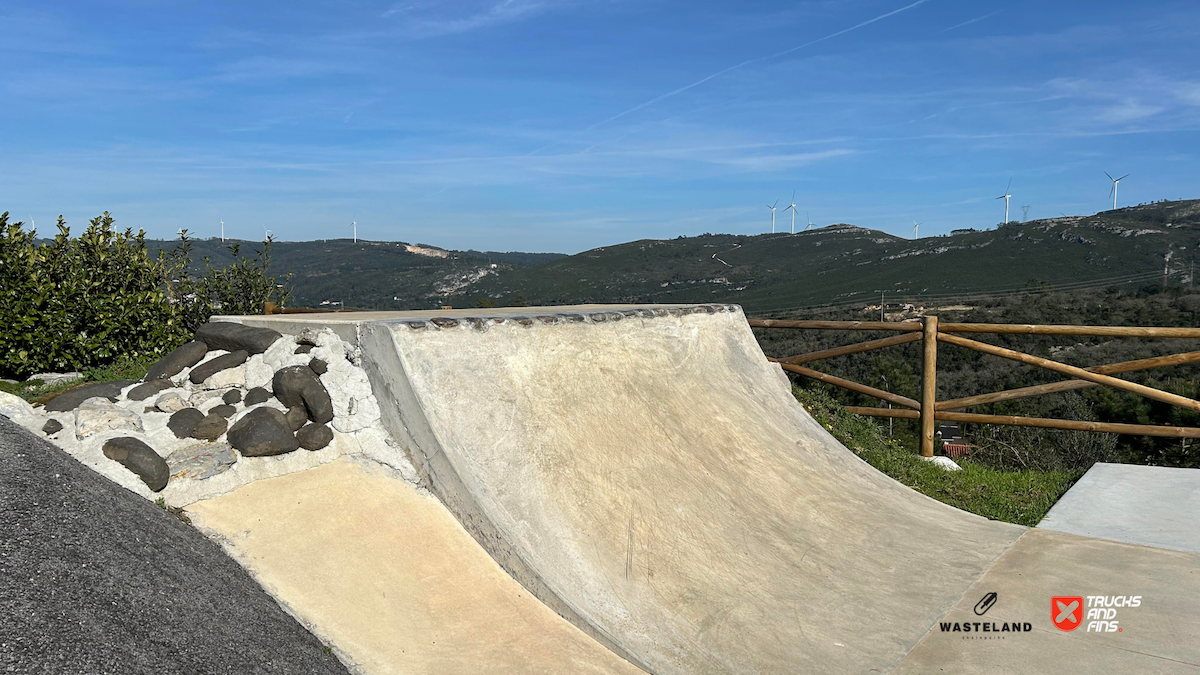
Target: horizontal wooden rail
pixel 853 349
pixel 906 326
pixel 1069 385
pixel 1098 331
pixel 931 332
pixel 1078 373
pixel 1010 420
pixel 852 386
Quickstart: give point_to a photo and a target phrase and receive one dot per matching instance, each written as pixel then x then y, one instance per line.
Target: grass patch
pixel 1021 497
pixel 36 392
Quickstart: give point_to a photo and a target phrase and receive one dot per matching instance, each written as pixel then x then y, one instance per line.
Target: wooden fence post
pixel 928 384
pixel 268 308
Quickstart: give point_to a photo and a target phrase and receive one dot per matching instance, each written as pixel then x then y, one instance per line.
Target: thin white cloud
pixel 1128 110
pixel 502 12
pixel 732 68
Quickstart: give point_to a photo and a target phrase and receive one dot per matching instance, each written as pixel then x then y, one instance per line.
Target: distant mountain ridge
pixel 767 273
pixel 845 264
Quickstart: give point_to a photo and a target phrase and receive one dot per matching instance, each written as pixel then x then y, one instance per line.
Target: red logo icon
pixel 1066 611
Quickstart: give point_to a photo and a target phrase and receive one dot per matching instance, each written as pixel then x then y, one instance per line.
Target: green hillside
pixel 843 264
pixel 368 274
pixel 767 274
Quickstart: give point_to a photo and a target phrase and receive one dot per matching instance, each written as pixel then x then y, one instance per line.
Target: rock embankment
pixel 233 405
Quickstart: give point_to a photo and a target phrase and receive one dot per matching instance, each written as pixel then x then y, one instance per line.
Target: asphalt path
pixel 95 579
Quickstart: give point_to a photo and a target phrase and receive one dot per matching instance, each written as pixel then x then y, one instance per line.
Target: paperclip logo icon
pixel 1066 611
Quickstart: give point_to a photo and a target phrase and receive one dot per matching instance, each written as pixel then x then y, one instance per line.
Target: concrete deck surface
pixel 1162 635
pixel 386 574
pixel 649 476
pixel 1150 505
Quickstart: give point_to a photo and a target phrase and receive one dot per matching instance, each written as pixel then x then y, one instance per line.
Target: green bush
pixel 89 302
pixel 77 303
pixel 243 287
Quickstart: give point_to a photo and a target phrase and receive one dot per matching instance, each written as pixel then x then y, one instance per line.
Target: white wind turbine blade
pixel 1122 178
pixel 1109 176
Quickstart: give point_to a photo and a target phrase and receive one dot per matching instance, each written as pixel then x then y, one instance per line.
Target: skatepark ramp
pixel 646 473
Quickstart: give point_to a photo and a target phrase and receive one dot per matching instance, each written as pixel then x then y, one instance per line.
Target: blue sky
pixel 549 125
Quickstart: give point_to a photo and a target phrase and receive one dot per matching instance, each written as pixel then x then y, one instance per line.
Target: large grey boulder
pixel 147 389
pixel 183 422
pixel 314 436
pixel 70 400
pixel 170 402
pixel 201 461
pixel 98 415
pixel 224 362
pixel 296 417
pixel 52 379
pixel 298 385
pixel 184 356
pixel 224 410
pixel 140 459
pixel 262 432
pixel 209 428
pixel 234 336
pixel 13 406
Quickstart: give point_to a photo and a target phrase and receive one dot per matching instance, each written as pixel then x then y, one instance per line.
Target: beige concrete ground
pixel 1161 635
pixel 386 574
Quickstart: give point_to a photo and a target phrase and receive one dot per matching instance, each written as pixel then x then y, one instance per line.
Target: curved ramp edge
pixel 648 475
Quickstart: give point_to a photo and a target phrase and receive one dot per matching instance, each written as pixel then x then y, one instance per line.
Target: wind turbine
pixel 915 226
pixel 809 219
pixel 354 224
pixel 1113 192
pixel 772 207
pixel 1006 196
pixel 792 207
pixel 222 230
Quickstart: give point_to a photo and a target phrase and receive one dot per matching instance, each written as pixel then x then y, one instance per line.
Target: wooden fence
pixel 929 410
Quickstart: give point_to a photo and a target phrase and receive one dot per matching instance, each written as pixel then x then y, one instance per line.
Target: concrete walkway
pixel 1151 505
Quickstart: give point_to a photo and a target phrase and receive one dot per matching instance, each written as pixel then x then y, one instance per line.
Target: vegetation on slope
pixel 964 372
pixel 1022 497
pixel 338 273
pixel 840 264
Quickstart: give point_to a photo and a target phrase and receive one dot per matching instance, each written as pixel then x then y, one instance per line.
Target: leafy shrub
pixel 72 304
pixel 243 287
pixel 88 302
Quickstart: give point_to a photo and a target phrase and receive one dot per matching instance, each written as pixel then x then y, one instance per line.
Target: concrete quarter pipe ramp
pixel 646 473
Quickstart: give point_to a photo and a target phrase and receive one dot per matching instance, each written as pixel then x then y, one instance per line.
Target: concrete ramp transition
pixel 646 473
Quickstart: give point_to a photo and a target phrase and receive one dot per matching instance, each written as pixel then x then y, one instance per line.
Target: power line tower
pixel 1024 213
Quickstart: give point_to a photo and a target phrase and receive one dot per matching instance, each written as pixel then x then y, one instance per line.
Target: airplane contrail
pixel 743 64
pixel 968 23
